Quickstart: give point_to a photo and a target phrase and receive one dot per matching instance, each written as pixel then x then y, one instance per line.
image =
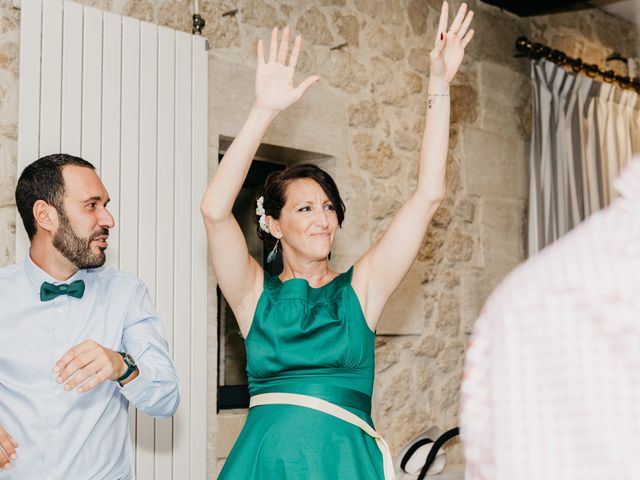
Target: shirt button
pixel 49 477
pixel 58 391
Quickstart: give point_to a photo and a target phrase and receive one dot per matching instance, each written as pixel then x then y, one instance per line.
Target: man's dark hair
pixel 43 180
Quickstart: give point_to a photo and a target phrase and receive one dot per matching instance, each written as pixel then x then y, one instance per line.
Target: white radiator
pixel 131 98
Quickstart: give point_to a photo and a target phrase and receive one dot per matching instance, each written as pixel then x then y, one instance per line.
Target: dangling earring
pixel 274 251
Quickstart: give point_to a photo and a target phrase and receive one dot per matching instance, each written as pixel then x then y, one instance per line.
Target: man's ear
pixel 274 226
pixel 46 216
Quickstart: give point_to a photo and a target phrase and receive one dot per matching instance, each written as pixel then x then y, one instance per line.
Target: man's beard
pixel 77 249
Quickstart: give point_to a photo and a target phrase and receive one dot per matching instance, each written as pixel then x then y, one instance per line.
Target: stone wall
pixel 379 68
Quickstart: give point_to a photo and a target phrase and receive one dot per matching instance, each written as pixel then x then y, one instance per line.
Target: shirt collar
pixel 37 276
pixel 628 184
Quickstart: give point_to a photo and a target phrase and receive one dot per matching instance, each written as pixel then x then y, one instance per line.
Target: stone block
pixel 406 140
pixel 413 82
pixel 386 43
pixel 464 104
pixel 466 210
pixel 418 59
pixel 8 168
pixel 493 164
pixel 475 287
pixel 348 28
pixel 404 313
pixel 314 27
pixel 387 354
pixel 7 189
pixel 502 231
pixel 504 100
pixel 260 14
pixel 442 217
pixel 459 246
pixel 500 29
pixel 451 358
pixel 448 320
pixel 140 9
pixel 381 161
pixel 363 114
pixel 429 346
pixel 7 235
pixel 385 11
pixel 353 238
pixel 418 13
pixel 341 70
pixel 229 426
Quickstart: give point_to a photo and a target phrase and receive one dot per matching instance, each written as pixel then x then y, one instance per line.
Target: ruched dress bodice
pixel 311 341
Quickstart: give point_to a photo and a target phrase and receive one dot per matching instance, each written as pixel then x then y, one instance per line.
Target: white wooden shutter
pixel 131 98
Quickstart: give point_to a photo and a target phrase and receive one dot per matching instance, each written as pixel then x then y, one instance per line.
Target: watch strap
pixel 130 368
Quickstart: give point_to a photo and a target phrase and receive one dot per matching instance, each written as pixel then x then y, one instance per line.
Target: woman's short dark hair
pixel 274 193
pixel 43 180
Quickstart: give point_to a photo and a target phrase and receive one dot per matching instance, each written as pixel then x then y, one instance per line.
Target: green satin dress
pixel 312 341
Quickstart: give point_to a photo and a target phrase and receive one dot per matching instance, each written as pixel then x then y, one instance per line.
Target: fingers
pixel 97 379
pixel 442 26
pixel 465 25
pixel 295 53
pixel 273 47
pixel 467 38
pixel 73 352
pixel 457 22
pixel 80 368
pixel 7 449
pixel 260 51
pixel 284 46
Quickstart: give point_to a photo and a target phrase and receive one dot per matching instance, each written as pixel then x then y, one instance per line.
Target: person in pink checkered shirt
pixel 551 387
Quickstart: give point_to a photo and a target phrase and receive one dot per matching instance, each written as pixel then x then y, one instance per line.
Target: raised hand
pixel 447 53
pixel 274 79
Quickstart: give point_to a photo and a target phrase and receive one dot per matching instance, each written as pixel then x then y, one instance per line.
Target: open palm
pixel 274 79
pixel 447 53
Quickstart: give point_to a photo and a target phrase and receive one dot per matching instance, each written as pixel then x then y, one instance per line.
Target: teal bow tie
pixel 49 291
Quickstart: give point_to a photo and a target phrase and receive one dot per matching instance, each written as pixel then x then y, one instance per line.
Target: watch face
pixel 130 361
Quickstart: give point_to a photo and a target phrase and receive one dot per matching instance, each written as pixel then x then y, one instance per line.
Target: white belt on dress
pixel 333 410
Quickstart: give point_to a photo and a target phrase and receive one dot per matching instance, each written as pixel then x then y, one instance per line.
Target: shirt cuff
pixel 137 386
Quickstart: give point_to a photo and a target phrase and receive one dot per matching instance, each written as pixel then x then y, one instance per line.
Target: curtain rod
pixel 536 51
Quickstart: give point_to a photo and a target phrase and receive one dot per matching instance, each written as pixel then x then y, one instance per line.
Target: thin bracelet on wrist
pixel 432 96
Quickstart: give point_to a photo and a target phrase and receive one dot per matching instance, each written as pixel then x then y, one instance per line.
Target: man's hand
pixel 90 363
pixel 7 449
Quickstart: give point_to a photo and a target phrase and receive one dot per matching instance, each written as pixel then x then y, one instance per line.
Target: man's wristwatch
pixel 131 366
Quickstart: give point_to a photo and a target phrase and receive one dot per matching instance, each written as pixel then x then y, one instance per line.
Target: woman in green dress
pixel 309 332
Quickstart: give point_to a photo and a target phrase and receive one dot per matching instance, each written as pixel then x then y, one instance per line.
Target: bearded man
pixel 78 341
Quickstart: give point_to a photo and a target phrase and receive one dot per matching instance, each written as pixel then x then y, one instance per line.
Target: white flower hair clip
pixel 262 221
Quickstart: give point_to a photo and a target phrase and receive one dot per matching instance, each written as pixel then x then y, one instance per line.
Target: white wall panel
pixel 198 342
pixel 51 77
pixel 71 117
pixel 131 98
pixel 91 126
pixel 147 231
pixel 110 136
pixel 164 219
pixel 182 250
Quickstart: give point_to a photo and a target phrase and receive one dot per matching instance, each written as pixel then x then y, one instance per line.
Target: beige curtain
pixel 584 131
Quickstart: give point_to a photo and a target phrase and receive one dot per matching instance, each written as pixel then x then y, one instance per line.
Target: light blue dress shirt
pixel 71 435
